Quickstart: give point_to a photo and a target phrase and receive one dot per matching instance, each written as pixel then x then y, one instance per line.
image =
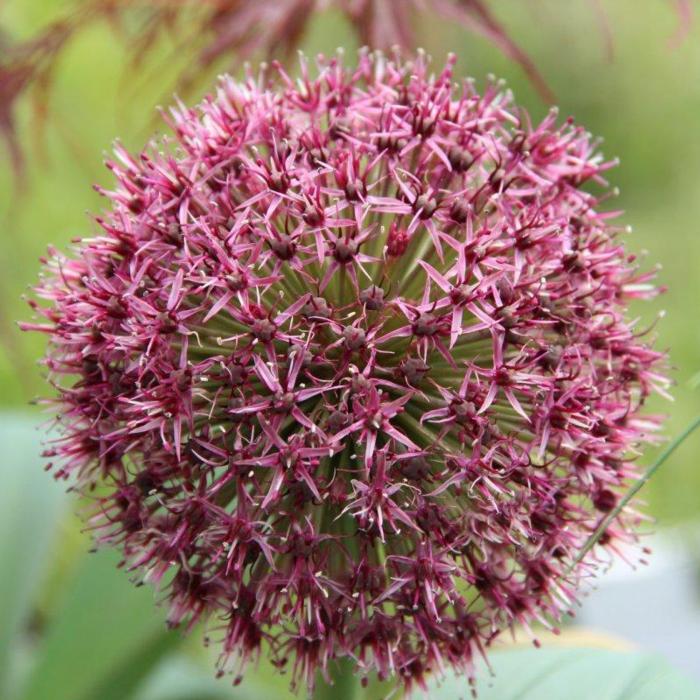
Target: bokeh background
pixel 626 77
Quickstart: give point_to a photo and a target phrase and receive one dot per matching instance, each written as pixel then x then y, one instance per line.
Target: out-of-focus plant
pixel 212 32
pixel 347 371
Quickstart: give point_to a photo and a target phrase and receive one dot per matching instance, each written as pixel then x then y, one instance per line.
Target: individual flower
pixel 345 369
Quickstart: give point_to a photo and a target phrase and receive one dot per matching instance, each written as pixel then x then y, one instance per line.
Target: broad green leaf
pixel 345 684
pixel 575 674
pixel 30 507
pixel 178 678
pixel 127 677
pixel 104 639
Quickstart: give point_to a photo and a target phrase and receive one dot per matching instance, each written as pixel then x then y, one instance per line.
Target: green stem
pixel 344 685
pixel 635 489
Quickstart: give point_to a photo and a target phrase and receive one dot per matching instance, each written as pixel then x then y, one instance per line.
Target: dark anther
pixel 264 330
pixel 283 247
pixel 414 369
pixel 237 281
pixel 425 206
pixel 459 211
pixel 354 338
pixel 372 298
pixel 316 307
pixel 425 325
pixel 605 501
pixel 459 158
pixel 345 251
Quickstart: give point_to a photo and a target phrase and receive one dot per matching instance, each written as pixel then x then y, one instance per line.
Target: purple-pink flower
pixel 346 371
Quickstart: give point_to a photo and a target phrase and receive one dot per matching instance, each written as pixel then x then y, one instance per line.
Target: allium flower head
pixel 348 363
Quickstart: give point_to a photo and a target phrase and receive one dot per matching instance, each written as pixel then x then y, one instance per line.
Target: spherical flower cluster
pixel 346 369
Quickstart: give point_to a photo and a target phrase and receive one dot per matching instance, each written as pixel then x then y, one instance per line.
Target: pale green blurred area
pixel 645 102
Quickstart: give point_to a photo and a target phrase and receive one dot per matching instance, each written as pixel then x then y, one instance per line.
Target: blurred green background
pixel 644 101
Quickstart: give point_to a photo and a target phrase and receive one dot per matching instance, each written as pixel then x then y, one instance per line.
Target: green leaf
pixel 127 677
pixel 179 678
pixel 573 673
pixel 30 506
pixel 345 685
pixel 104 640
